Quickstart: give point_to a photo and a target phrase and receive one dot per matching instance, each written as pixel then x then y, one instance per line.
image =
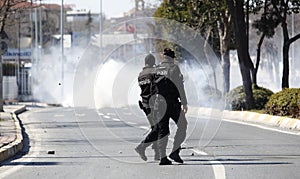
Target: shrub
pixel 235 99
pixel 284 103
pixel 211 96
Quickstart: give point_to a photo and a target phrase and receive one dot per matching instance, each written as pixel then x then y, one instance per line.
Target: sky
pixel 111 8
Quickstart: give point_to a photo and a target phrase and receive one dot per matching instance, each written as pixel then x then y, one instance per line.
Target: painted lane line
pixel 111 114
pixel 218 168
pixel 106 117
pixel 59 115
pixel 144 127
pixel 100 114
pixel 131 123
pixel 80 115
pixel 115 119
pixel 262 127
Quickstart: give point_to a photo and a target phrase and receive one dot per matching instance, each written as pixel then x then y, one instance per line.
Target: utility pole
pixel 62 48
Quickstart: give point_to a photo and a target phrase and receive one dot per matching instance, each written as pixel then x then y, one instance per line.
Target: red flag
pixel 129 28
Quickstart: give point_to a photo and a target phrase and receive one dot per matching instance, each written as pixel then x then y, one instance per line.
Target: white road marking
pixel 131 123
pixel 144 127
pixel 111 114
pixel 80 115
pixel 218 168
pixel 262 127
pixel 115 119
pixel 106 117
pixel 100 114
pixel 59 115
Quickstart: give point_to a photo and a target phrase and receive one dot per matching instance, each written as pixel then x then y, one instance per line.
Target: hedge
pixel 235 99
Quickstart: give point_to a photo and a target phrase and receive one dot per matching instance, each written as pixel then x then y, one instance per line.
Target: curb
pixel 246 116
pixel 11 149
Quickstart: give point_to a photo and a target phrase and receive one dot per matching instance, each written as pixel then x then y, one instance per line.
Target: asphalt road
pixel 89 143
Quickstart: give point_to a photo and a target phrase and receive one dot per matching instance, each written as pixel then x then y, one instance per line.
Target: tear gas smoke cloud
pixel 47 83
pixel 100 78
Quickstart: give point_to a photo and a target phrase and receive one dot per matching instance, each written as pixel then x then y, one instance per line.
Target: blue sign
pixel 16 53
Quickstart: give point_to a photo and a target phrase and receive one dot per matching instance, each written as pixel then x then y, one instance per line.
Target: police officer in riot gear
pixel 172 103
pixel 148 90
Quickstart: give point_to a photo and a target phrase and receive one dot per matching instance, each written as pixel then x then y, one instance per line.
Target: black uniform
pixel 170 90
pixel 148 90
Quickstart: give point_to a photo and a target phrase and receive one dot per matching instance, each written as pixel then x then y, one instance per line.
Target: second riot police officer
pixel 171 102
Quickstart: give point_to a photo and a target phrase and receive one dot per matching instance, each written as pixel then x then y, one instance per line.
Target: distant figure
pixel 169 81
pixel 148 90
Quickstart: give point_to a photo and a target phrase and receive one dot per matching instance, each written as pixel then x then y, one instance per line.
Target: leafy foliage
pixel 266 24
pixel 201 16
pixel 284 103
pixel 235 99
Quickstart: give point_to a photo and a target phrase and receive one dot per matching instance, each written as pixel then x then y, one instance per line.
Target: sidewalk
pixel 11 139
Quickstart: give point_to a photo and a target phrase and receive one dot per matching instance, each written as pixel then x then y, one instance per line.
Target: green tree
pixel 276 13
pixel 266 29
pixel 283 8
pixel 236 8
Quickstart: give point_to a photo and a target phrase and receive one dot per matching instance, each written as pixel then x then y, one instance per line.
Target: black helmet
pixel 169 52
pixel 150 60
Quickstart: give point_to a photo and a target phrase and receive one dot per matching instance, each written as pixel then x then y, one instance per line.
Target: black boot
pixel 140 149
pixel 165 161
pixel 162 144
pixel 175 156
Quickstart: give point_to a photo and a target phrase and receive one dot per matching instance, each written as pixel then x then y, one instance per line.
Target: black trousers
pixel 167 110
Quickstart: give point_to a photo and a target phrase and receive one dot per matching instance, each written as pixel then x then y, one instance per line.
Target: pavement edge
pixel 14 147
pixel 246 116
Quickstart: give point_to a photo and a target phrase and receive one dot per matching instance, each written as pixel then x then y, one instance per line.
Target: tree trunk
pixel 285 74
pixel 286 47
pixel 226 71
pixel 224 32
pixel 237 12
pixel 212 65
pixel 254 75
pixel 1 85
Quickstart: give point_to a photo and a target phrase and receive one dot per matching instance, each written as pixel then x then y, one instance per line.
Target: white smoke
pixel 116 84
pixel 49 83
